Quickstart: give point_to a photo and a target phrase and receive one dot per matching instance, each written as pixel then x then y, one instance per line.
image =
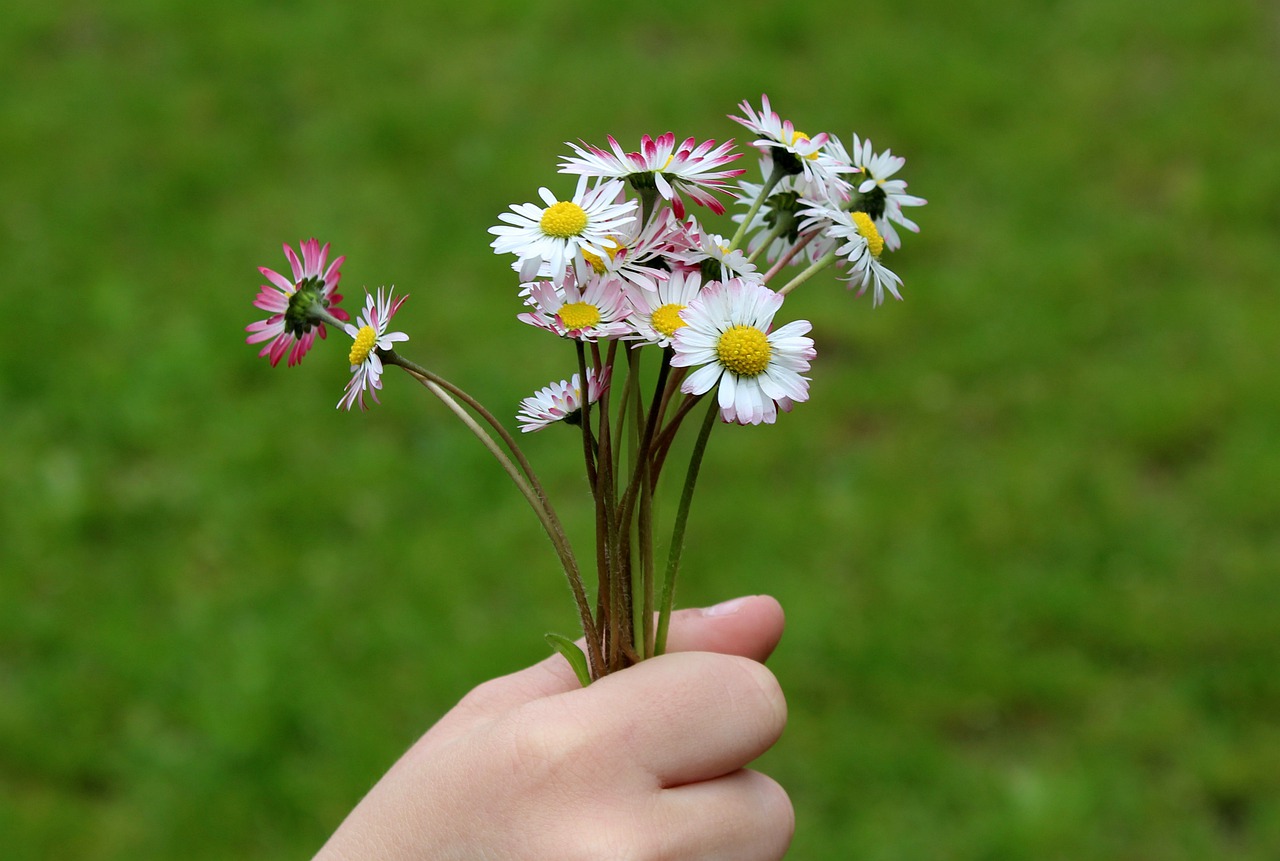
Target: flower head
pixel 655 315
pixel 292 304
pixel 561 402
pixel 728 339
pixel 792 150
pixel 711 255
pixel 691 167
pixel 858 243
pixel 597 310
pixel 370 335
pixel 560 232
pixel 881 197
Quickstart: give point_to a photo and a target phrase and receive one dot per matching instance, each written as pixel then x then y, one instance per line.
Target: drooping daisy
pixel 881 197
pixel 292 327
pixel 728 338
pixel 655 314
pixel 368 337
pixel 856 241
pixel 560 232
pixel 692 168
pixel 597 310
pixel 560 402
pixel 794 151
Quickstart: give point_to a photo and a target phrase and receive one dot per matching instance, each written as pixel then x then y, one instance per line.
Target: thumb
pixel 749 627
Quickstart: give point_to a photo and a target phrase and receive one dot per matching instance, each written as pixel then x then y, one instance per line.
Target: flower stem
pixel 677 532
pixel 775 177
pixel 817 266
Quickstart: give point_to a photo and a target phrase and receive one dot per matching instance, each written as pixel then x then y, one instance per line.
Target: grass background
pixel 1025 530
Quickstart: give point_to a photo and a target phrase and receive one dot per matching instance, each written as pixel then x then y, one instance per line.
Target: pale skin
pixel 648 763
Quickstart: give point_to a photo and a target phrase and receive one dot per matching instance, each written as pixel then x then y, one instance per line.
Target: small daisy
pixel 727 336
pixel 655 315
pixel 882 197
pixel 559 233
pixel 292 327
pixel 368 337
pixel 854 238
pixel 596 311
pixel 794 151
pixel 560 402
pixel 638 255
pixel 710 254
pixel 691 167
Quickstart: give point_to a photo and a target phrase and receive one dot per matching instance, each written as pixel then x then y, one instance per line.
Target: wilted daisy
pixel 858 244
pixel 292 326
pixel 882 197
pixel 692 168
pixel 368 336
pixel 728 338
pixel 560 402
pixel 558 233
pixel 794 151
pixel 655 314
pixel 597 310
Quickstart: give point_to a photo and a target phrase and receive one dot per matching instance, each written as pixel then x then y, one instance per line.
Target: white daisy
pixel 794 151
pixel 589 313
pixel 691 167
pixel 368 336
pixel 655 314
pixel 882 197
pixel 560 402
pixel 560 232
pixel 710 254
pixel 728 338
pixel 856 241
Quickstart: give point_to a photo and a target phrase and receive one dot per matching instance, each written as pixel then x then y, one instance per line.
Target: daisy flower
pixel 882 197
pixel 292 326
pixel 637 255
pixel 559 233
pixel 794 151
pixel 856 241
pixel 368 336
pixel 655 315
pixel 560 402
pixel 711 255
pixel 595 311
pixel 691 167
pixel 728 338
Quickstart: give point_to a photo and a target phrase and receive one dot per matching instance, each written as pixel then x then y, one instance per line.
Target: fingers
pixel 683 717
pixel 754 819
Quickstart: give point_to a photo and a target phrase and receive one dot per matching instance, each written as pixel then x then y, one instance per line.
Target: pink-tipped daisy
pixel 711 255
pixel 728 339
pixel 692 168
pixel 370 335
pixel 559 233
pixel 858 245
pixel 638 256
pixel 791 150
pixel 293 324
pixel 560 402
pixel 589 313
pixel 655 314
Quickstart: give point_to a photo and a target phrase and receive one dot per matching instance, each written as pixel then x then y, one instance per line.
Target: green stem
pixel 814 268
pixel 774 178
pixel 677 532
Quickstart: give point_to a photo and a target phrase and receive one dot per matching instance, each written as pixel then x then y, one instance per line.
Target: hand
pixel 644 763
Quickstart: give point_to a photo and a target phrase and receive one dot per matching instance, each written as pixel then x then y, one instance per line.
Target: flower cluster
pixel 621 264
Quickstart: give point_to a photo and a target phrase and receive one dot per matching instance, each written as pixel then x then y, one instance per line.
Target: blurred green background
pixel 1025 530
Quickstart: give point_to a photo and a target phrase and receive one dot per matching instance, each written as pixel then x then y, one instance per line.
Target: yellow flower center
pixel 744 350
pixel 579 315
pixel 796 137
pixel 363 345
pixel 867 227
pixel 667 319
pixel 564 219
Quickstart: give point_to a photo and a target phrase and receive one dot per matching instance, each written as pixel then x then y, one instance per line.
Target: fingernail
pixel 727 608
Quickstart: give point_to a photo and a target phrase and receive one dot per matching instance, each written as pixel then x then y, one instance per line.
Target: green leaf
pixel 573 655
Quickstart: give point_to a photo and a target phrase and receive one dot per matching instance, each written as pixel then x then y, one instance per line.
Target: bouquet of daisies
pixel 657 314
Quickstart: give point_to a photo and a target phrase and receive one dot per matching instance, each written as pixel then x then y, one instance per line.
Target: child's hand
pixel 645 763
